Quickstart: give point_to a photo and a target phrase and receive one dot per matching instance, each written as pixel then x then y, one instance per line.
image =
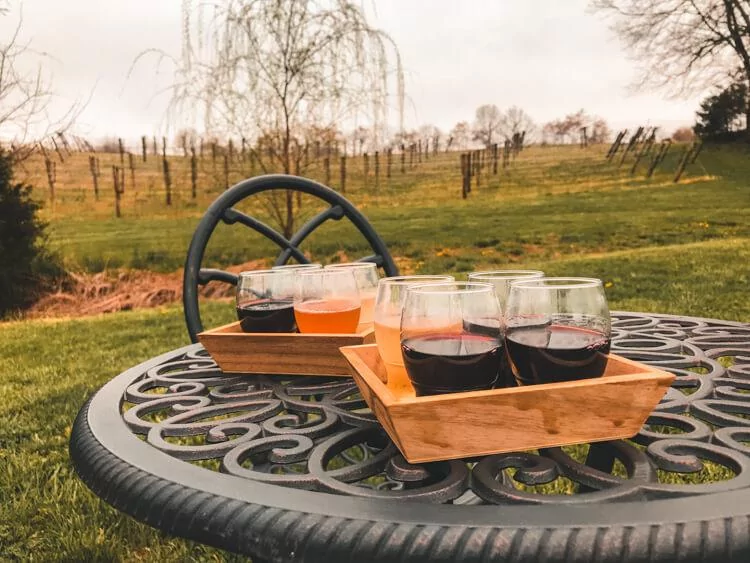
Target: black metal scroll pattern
pixel 317 433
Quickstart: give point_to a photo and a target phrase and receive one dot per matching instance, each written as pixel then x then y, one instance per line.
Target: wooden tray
pixel 280 353
pixel 474 423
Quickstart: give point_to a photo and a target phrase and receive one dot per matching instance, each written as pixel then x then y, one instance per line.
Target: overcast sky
pixel 551 57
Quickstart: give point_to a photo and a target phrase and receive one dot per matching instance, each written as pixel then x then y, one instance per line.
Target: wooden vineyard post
pixel 213 154
pixel 64 142
pixel 469 170
pixel 616 144
pixel 412 148
pixel 419 151
pixel 388 163
pixel 156 153
pixel 494 159
pixel 94 167
pixel 327 170
pixel 366 164
pixel 243 149
pixel 645 147
pixel 659 156
pixel 193 174
pixel 57 150
pixel 251 156
pixel 683 163
pixel 167 181
pixel 51 169
pixel 377 171
pixel 226 171
pixel 631 143
pixel 297 163
pixel 584 138
pixel 477 160
pixel 506 154
pixel 131 165
pixel 143 147
pixel 200 149
pixel 465 176
pixel 342 181
pixel 403 159
pixel 155 147
pixel 230 149
pixel 696 151
pixel 121 149
pixel 118 182
pixel 426 149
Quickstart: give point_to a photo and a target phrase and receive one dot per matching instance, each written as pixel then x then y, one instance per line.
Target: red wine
pixel 267 315
pixel 491 327
pixel 552 353
pixel 451 363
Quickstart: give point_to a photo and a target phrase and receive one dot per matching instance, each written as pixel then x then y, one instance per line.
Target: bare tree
pixel 360 137
pixel 686 45
pixel 487 124
pixel 25 96
pixel 565 130
pixel 255 68
pixel 459 136
pixel 599 130
pixel 515 121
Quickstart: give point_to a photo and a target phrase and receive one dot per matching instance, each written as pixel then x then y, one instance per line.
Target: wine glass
pixel 298 267
pixel 265 300
pixel 502 279
pixel 366 274
pixel 450 337
pixel 389 302
pixel 557 329
pixel 326 301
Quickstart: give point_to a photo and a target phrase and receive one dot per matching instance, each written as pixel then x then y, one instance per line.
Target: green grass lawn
pixel 658 246
pixel 552 203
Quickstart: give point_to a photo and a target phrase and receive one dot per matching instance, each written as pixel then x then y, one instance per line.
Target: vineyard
pixel 125 181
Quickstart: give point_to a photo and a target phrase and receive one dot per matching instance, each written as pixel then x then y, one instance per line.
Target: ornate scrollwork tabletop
pixel 297 468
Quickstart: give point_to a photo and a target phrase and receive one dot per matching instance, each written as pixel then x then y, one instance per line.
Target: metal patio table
pixel 297 469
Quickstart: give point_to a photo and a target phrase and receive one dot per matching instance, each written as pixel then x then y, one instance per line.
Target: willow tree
pixel 274 69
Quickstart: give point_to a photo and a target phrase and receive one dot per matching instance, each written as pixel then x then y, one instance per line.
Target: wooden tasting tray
pixel 280 353
pixel 441 427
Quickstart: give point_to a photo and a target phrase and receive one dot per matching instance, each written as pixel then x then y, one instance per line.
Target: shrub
pixel 683 135
pixel 27 268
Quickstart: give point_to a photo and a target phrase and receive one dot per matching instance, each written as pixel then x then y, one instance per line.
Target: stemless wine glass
pixel 326 301
pixel 366 274
pixel 450 337
pixel 502 279
pixel 265 300
pixel 298 267
pixel 557 329
pixel 389 302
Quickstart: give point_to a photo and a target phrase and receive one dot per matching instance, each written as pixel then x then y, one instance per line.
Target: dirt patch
pixel 123 290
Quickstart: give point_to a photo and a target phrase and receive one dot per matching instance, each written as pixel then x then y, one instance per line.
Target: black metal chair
pixel 222 210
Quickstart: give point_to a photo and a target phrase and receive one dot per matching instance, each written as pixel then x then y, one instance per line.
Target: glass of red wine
pixel 450 337
pixel 265 301
pixel 557 329
pixel 298 267
pixel 501 280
